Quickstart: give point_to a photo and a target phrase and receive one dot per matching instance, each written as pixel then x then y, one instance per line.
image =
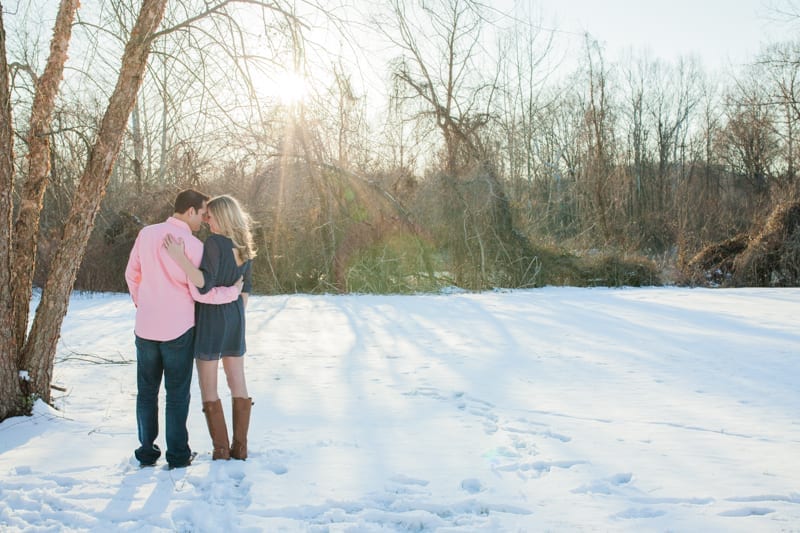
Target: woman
pixel 220 329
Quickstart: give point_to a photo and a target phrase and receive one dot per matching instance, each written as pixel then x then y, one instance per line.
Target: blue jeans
pixel 174 361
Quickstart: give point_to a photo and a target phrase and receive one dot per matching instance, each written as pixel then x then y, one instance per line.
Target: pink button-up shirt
pixel 160 288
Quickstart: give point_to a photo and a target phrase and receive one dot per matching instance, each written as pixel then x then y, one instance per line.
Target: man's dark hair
pixel 189 198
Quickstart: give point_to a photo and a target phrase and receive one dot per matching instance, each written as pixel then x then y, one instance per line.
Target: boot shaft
pixel 217 429
pixel 241 425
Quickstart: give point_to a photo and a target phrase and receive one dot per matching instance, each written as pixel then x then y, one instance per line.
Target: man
pixel 165 328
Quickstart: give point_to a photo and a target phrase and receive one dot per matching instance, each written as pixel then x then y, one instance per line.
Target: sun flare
pixel 290 88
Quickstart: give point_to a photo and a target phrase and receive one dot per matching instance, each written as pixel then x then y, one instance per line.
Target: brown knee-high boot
pixel 241 424
pixel 215 418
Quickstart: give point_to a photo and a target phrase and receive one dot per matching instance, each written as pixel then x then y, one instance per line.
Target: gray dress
pixel 219 329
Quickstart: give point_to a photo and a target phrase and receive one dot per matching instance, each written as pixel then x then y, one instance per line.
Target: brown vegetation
pixel 713 265
pixel 772 257
pixel 768 257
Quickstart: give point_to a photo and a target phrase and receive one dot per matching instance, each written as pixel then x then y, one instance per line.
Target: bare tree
pixel 673 99
pixel 453 84
pixel 779 68
pixel 560 151
pixel 439 64
pixel 748 142
pixel 36 355
pixel 26 229
pixel 9 384
pixel 659 109
pixel 598 139
pixel 524 49
pixel 637 75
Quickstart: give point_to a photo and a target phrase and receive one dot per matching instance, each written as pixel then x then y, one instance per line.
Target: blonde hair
pixel 234 223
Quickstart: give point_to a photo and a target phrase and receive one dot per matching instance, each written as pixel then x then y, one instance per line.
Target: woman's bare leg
pixel 234 372
pixel 207 378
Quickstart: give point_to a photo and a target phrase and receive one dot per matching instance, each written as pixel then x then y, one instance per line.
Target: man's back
pixel 158 286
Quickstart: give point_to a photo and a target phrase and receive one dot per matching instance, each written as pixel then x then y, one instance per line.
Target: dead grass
pixel 768 257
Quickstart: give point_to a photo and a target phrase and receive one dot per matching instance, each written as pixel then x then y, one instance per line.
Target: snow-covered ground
pixel 557 409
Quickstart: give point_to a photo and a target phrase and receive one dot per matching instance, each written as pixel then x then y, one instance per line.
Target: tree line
pixel 468 157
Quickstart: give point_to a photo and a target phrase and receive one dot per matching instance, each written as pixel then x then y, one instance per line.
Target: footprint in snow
pixel 537 469
pixel 222 483
pixel 492 424
pixel 472 485
pixel 401 484
pixel 546 433
pixel 406 480
pixel 277 469
pixel 644 512
pixel 793 497
pixel 748 511
pixel 604 486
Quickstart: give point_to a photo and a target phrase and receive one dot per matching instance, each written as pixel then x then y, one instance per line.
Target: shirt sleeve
pixel 133 272
pixel 216 296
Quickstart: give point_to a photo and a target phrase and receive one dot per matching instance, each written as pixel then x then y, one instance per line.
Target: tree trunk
pixel 9 383
pixel 39 351
pixel 138 148
pixel 26 230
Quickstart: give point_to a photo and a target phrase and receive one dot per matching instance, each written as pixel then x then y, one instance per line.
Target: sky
pixel 554 409
pixel 720 32
pixel 723 35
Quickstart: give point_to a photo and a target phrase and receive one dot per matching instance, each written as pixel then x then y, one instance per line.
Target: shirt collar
pixel 180 223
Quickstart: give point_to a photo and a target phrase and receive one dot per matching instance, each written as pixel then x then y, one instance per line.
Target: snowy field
pixel 558 409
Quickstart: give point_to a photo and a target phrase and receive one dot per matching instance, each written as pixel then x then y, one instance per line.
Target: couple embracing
pixel 190 301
